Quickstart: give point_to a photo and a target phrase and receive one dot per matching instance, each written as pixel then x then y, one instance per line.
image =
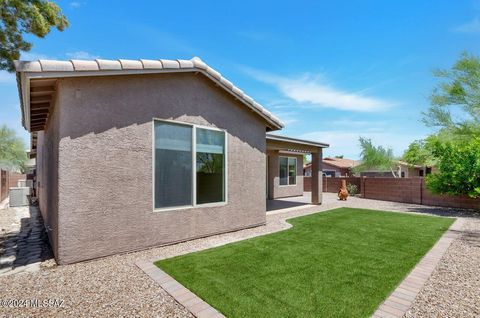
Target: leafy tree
pixel 339 156
pixel 458 92
pixel 459 168
pixel 455 148
pixel 420 153
pixel 375 157
pixel 19 17
pixel 306 159
pixel 12 149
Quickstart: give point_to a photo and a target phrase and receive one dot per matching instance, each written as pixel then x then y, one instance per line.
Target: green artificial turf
pixel 340 263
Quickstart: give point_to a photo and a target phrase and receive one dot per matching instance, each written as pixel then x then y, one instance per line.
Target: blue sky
pixel 331 70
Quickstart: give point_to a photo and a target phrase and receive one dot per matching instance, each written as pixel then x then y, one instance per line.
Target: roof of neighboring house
pixel 51 69
pixel 341 163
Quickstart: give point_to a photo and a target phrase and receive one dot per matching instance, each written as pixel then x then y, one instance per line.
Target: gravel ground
pixel 453 290
pixel 114 287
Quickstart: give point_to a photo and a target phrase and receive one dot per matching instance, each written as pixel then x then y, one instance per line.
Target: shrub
pixel 352 189
pixel 459 169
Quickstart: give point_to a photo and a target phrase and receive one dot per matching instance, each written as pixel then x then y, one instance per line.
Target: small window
pixel 288 170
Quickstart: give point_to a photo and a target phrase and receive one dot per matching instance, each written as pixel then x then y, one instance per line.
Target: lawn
pixel 340 263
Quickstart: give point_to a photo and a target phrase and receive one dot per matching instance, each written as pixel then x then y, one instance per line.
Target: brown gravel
pixel 114 287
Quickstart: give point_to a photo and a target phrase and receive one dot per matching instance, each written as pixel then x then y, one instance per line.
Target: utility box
pixel 19 196
pixel 25 183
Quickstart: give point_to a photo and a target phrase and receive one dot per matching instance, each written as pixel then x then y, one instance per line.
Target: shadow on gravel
pixel 443 211
pixel 27 246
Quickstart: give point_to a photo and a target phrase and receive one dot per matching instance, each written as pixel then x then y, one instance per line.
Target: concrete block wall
pixel 407 190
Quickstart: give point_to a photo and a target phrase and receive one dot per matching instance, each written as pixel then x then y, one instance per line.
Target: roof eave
pixel 28 70
pixel 296 140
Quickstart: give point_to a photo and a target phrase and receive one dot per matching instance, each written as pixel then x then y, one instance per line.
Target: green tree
pixel 19 17
pixel 455 148
pixel 12 149
pixel 459 166
pixel 375 157
pixel 420 152
pixel 459 92
pixel 306 159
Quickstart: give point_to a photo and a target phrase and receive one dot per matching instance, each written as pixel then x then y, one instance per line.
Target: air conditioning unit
pixel 25 183
pixel 19 196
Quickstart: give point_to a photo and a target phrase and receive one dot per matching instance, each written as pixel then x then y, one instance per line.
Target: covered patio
pixel 288 192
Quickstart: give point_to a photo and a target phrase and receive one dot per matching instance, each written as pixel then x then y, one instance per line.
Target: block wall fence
pixel 407 190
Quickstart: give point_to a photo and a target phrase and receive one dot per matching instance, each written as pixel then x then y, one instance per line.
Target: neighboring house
pixel 403 170
pixel 333 167
pixel 139 153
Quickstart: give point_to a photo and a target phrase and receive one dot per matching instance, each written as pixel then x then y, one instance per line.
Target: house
pixel 402 170
pixel 334 167
pixel 138 153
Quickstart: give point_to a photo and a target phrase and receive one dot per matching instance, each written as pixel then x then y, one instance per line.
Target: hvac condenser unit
pixel 19 196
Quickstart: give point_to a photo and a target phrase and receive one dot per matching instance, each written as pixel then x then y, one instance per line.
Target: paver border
pixel 395 306
pixel 197 306
pixel 402 298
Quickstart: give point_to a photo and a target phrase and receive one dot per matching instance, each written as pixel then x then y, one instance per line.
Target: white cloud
pixel 81 55
pixel 76 4
pixel 314 91
pixel 469 27
pixel 346 143
pixel 6 77
pixel 366 124
pixel 33 56
pixel 287 117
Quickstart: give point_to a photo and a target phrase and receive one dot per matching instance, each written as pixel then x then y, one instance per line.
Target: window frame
pixel 194 167
pixel 288 177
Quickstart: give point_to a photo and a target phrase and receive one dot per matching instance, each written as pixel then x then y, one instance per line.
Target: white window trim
pixel 288 178
pixel 194 166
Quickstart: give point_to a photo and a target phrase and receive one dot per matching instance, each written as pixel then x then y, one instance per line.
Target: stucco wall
pixel 105 162
pixel 276 190
pixel 47 176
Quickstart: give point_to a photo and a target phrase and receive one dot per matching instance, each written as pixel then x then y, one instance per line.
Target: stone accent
pixel 181 294
pixel 398 303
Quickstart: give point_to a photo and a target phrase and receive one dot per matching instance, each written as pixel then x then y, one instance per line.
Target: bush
pixel 459 169
pixel 352 189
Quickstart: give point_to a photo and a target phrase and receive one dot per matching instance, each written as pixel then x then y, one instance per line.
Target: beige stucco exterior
pixel 47 176
pixel 275 190
pixel 95 163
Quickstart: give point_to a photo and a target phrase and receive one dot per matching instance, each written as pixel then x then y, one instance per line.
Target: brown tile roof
pixel 339 162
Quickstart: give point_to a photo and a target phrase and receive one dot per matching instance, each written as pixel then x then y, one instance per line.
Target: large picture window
pixel 190 165
pixel 288 170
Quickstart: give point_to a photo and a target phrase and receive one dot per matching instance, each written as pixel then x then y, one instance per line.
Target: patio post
pixel 317 176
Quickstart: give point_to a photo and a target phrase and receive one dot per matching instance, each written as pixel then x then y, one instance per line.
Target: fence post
pixel 362 186
pixel 421 191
